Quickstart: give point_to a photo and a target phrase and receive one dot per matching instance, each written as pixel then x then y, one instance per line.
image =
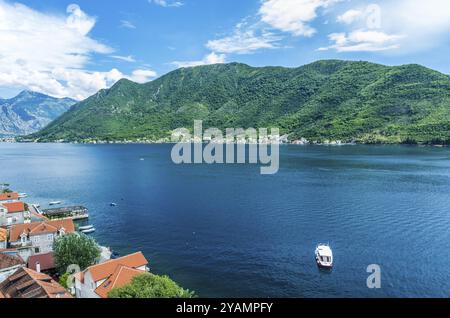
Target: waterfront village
pixel 27 257
pixel 281 140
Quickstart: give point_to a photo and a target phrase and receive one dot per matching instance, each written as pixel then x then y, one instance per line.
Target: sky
pixel 73 48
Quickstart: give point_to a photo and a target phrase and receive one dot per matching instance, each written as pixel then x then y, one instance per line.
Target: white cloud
pixel 78 20
pixel 293 16
pixel 48 53
pixel 77 82
pixel 212 58
pixel 127 24
pixel 128 58
pixel 142 76
pixel 402 26
pixel 361 40
pixel 244 40
pixel 350 16
pixel 425 24
pixel 167 3
pixel 274 17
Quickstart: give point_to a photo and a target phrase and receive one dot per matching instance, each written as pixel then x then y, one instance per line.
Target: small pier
pixel 72 212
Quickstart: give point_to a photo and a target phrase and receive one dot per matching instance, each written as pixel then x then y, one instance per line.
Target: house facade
pixel 98 280
pixel 40 236
pixel 12 213
pixel 3 238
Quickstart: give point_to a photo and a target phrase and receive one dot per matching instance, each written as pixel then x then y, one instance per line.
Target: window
pixel 37 250
pixel 50 237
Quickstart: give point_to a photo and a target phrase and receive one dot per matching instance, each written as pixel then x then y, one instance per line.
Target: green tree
pixel 151 286
pixel 63 280
pixel 77 249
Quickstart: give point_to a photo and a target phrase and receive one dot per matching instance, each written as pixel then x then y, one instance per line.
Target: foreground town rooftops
pixel 102 278
pixel 8 261
pixel 14 207
pixel 46 262
pixel 38 228
pixel 27 283
pixel 9 196
pixel 3 234
pixel 104 270
pixel 121 277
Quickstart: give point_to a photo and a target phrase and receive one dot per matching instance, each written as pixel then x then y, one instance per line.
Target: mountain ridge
pixel 29 112
pixel 324 100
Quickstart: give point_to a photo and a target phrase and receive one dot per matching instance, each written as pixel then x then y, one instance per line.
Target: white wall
pixel 16 218
pixel 5 273
pixel 86 289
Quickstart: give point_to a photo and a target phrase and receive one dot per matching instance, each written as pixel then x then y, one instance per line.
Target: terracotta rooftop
pixel 3 234
pixel 108 268
pixel 9 196
pixel 8 261
pixel 38 228
pixel 121 277
pixel 46 261
pixel 14 207
pixel 26 283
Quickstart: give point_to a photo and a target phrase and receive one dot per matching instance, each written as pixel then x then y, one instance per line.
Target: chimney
pixel 38 267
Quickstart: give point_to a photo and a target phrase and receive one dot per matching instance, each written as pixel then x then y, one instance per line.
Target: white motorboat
pixel 85 228
pixel 55 202
pixel 324 256
pixel 23 195
pixel 88 231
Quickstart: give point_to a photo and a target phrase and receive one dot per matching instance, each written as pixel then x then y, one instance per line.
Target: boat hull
pixel 88 231
pixel 323 266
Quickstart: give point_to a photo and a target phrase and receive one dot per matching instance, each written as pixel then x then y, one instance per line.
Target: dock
pixel 72 212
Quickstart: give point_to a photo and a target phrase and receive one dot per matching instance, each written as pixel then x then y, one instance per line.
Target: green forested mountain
pixel 335 100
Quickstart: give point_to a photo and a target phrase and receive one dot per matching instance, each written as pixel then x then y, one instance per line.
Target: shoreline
pixel 329 144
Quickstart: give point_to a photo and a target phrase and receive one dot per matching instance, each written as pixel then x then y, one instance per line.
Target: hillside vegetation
pixel 325 100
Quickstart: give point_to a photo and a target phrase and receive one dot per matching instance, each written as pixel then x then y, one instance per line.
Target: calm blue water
pixel 225 230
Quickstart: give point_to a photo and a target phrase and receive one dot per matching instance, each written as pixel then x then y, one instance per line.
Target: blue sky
pixel 74 48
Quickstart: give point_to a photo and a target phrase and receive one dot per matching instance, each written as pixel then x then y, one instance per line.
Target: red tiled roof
pixel 7 261
pixel 40 228
pixel 14 207
pixel 46 261
pixel 26 283
pixel 106 269
pixel 9 196
pixel 121 277
pixel 44 228
pixel 3 235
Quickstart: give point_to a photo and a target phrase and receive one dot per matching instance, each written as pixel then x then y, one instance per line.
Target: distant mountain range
pixel 29 112
pixel 325 100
